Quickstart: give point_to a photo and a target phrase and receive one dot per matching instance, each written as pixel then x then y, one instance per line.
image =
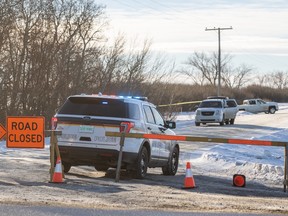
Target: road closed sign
pixel 25 132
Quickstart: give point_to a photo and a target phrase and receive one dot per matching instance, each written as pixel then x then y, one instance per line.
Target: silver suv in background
pixel 222 111
pixel 84 119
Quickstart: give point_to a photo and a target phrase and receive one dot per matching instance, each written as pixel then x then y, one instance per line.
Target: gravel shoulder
pixel 24 179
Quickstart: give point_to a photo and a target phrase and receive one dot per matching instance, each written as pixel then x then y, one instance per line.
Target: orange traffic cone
pixel 58 176
pixel 189 180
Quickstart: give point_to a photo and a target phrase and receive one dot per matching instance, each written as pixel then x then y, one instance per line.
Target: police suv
pixel 84 119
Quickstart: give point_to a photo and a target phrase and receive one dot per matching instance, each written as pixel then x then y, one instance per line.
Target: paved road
pixel 21 210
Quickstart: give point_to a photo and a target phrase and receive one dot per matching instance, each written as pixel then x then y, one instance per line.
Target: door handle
pixel 162 129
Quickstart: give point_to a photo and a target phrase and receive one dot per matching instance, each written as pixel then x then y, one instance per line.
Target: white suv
pixel 84 119
pixel 216 111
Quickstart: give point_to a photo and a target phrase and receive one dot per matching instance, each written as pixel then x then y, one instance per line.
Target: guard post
pixel 286 168
pixel 53 149
pixel 119 163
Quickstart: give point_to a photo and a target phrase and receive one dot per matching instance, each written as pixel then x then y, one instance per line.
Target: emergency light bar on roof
pixel 120 96
pixel 135 97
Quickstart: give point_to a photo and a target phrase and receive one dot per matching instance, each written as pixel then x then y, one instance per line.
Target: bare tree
pixel 202 68
pixel 111 64
pixel 279 79
pixel 236 77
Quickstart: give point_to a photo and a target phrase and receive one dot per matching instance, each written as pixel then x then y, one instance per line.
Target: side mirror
pixel 170 124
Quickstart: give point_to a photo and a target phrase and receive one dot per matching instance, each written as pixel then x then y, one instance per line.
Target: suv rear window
pixel 100 107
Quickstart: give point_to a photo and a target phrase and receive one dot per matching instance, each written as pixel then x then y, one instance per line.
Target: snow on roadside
pixel 256 162
pixel 259 163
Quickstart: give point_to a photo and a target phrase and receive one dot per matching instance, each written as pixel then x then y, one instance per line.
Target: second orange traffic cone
pixel 189 182
pixel 58 176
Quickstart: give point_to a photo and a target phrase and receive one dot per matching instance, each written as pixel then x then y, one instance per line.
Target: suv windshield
pixel 216 104
pixel 100 107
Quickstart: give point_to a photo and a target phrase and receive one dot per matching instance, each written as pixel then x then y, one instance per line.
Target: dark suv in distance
pixel 84 119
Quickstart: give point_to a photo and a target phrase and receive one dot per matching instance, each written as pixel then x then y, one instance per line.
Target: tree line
pixel 51 49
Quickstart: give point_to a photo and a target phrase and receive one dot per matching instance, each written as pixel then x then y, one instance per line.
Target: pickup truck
pixel 216 111
pixel 258 105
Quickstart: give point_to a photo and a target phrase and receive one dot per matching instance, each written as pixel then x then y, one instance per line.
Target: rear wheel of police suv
pixel 142 163
pixel 172 165
pixel 67 167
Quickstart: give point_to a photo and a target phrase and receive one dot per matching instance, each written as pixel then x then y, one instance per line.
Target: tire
pixel 272 110
pixel 227 121
pixel 197 124
pixel 173 162
pixel 67 167
pixel 101 168
pixel 232 121
pixel 142 163
pixel 222 122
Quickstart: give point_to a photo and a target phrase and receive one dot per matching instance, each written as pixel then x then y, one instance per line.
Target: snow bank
pixel 259 163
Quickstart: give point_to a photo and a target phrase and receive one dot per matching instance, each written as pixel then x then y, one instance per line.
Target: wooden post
pixel 119 164
pixel 53 149
pixel 52 155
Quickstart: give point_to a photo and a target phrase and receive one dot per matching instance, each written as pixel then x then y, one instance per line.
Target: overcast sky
pixel 259 37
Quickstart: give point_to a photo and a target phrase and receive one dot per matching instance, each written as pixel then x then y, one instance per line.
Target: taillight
pixel 53 123
pixel 126 126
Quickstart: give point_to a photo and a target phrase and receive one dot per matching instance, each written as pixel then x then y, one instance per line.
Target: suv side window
pixel 149 115
pixel 134 111
pixel 158 118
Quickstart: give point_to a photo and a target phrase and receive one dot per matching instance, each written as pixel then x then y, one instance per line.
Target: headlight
pixel 198 112
pixel 217 112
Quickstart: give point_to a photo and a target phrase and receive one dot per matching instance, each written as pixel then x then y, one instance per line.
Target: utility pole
pixel 219 54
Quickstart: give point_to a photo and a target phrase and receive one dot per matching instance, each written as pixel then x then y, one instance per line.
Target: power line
pixel 219 54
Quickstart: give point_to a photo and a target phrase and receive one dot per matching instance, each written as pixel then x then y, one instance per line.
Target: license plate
pixel 105 139
pixel 86 129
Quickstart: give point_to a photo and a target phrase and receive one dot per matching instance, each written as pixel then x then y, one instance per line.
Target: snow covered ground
pixel 257 163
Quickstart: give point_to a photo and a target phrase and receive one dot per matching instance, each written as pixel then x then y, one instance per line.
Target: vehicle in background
pixel 84 120
pixel 222 111
pixel 258 105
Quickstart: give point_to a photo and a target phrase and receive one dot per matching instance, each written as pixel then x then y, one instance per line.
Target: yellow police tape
pixel 181 103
